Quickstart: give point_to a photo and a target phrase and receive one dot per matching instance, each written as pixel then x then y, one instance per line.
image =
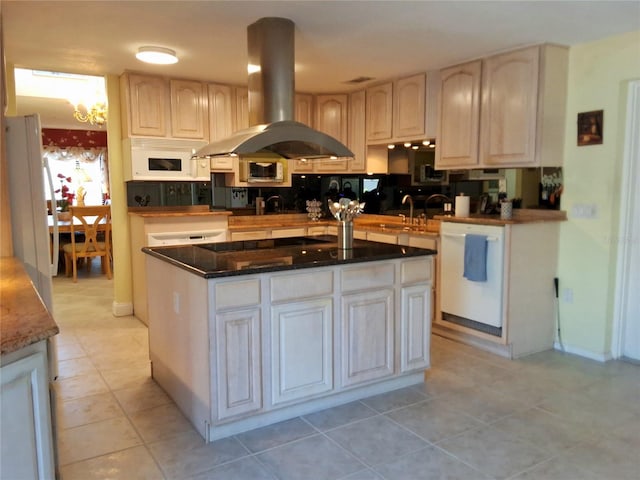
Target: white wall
pixel 599 73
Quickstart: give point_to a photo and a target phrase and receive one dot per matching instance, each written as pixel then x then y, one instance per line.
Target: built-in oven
pixel 261 171
pixel 163 160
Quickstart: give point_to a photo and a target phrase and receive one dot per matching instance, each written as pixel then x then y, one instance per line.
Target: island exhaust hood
pixel 271 101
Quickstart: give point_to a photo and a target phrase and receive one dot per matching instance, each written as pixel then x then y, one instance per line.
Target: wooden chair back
pixel 94 222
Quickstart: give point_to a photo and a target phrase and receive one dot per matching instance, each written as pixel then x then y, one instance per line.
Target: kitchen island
pixel 245 334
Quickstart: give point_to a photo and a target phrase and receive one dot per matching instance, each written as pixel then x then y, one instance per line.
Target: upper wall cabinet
pixel 409 107
pixel 332 118
pixel 188 109
pixel 145 101
pixel 357 123
pixel 459 116
pixel 240 108
pixel 405 109
pixel 523 107
pixel 513 117
pixel 156 107
pixel 304 109
pixel 379 112
pixel 220 111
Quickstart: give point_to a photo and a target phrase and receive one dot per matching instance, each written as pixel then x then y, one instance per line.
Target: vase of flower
pixel 64 216
pixel 66 199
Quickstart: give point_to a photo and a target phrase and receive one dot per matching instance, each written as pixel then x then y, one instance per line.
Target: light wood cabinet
pixel 240 108
pixel 220 111
pixel 304 108
pixel 331 118
pixel 367 336
pixel 188 109
pixel 357 131
pixel 238 356
pixel 415 327
pixel 25 417
pixel 301 349
pixel 251 235
pixel 507 110
pixel 145 101
pixel 459 116
pixel 523 107
pixel 409 107
pixel 402 110
pixel 509 103
pixel 240 352
pixel 379 112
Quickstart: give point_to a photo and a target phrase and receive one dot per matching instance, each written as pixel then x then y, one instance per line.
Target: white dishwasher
pixel 476 305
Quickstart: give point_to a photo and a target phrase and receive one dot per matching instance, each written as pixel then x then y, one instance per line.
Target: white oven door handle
pixel 462 235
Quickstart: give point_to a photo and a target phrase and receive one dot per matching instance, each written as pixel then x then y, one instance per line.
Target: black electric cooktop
pixel 213 260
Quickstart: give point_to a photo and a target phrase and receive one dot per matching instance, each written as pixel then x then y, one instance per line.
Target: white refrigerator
pixel 28 173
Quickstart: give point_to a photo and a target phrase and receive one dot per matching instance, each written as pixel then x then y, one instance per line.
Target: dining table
pixel 64 226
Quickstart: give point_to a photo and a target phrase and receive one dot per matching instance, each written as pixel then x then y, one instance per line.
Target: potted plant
pixel 66 197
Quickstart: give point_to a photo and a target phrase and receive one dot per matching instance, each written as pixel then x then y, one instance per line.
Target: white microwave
pixel 163 160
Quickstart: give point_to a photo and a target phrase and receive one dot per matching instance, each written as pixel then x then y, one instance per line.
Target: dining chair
pixel 95 223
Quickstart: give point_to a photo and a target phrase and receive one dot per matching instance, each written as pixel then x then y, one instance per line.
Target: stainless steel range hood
pixel 271 101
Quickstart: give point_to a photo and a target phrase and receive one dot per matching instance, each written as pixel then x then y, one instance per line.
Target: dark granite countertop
pixel 214 260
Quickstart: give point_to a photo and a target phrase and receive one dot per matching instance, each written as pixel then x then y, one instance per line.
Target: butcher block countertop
pixel 24 319
pixel 520 216
pixel 376 223
pixel 186 211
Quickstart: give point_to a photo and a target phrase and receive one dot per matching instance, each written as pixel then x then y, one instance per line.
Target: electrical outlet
pixel 581 210
pixel 567 295
pixel 176 303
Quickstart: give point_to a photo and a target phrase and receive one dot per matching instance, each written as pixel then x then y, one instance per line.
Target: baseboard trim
pixel 599 357
pixel 121 309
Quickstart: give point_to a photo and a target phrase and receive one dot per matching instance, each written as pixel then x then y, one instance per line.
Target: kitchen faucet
pixel 404 200
pixel 277 207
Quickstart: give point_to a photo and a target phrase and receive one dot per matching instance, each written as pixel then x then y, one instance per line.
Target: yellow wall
pixel 599 73
pixel 122 283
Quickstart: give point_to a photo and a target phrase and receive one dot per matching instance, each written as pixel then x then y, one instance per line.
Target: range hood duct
pixel 271 103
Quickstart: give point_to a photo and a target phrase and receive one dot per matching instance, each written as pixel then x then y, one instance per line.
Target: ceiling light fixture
pixel 157 55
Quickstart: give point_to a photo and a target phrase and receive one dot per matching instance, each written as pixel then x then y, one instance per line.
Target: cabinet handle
pixel 490 239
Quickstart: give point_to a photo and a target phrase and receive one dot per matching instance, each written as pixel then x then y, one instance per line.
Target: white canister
pixel 462 205
pixel 506 210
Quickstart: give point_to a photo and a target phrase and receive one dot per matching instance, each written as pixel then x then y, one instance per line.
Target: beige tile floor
pixel 477 416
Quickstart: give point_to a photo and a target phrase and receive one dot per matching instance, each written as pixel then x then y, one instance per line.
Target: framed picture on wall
pixel 590 128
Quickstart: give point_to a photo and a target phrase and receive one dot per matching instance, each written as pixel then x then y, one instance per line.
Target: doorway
pixel 626 327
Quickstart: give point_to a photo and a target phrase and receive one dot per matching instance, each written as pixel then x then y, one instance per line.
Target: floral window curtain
pixel 82 156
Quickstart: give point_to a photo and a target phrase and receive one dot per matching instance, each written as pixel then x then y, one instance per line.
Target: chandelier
pixel 95 114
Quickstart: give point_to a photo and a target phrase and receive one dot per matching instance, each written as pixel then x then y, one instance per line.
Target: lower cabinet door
pixel 301 349
pixel 25 421
pixel 415 327
pixel 367 336
pixel 238 356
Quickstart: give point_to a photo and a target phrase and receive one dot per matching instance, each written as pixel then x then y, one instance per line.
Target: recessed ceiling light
pixel 157 55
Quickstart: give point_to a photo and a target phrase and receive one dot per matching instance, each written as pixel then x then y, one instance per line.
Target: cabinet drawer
pixel 382 237
pixel 301 285
pixel 368 277
pixel 415 271
pixel 422 242
pixel 360 234
pixel 222 163
pixel 256 235
pixel 237 294
pixel 288 232
pixel 317 230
